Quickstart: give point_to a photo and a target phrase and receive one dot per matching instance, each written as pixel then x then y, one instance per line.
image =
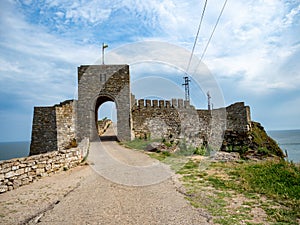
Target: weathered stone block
pixel 39 171
pixel 20 171
pixel 23 176
pixel 30 163
pixel 25 181
pixel 48 167
pixel 27 169
pixel 43 174
pixel 9 174
pixel 22 165
pixel 41 165
pixel 6 169
pixel 31 174
pixel 34 167
pixel 7 164
pixel 17 183
pixel 3 188
pixel 14 167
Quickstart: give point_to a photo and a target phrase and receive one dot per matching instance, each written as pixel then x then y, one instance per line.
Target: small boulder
pixel 226 156
pixel 153 147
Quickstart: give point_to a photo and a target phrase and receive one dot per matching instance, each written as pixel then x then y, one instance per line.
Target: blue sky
pixel 253 55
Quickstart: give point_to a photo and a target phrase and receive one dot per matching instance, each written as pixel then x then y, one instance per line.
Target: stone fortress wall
pixel 56 130
pixel 180 120
pixel 53 127
pixel 53 147
pixel 56 127
pixel 21 171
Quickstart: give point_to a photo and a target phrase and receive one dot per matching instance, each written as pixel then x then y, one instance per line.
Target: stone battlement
pixel 154 103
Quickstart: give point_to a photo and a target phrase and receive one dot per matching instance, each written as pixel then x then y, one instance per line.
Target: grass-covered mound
pixel 265 192
pixel 252 144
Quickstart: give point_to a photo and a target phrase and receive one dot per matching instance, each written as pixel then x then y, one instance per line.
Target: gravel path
pixel 121 186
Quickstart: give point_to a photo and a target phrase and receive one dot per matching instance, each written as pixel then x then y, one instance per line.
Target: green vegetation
pixel 139 144
pixel 265 145
pixel 279 180
pixel 182 149
pixel 159 155
pixel 253 144
pixel 103 119
pixel 231 192
pixel 271 186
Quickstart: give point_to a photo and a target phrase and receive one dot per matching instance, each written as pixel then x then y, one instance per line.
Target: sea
pixel 288 140
pixel 10 150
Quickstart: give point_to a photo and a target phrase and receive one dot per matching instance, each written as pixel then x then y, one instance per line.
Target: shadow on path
pixel 108 138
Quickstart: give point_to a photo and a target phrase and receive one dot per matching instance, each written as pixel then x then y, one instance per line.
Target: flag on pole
pixel 104 46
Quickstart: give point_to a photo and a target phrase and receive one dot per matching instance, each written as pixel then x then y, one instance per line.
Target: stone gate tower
pixel 98 84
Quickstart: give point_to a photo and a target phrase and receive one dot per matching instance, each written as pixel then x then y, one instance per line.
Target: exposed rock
pixel 254 144
pixel 226 156
pixel 153 147
pixel 103 125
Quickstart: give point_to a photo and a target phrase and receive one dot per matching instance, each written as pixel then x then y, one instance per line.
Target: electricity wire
pixel 187 80
pixel 196 38
pixel 213 30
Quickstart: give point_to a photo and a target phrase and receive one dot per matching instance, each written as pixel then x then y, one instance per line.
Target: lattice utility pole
pixel 208 101
pixel 187 88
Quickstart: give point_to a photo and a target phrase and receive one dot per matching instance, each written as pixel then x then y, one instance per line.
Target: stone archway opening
pixel 105 111
pixel 98 84
pixel 108 110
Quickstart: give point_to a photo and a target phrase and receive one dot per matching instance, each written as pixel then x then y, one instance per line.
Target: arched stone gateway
pixel 65 125
pixel 98 84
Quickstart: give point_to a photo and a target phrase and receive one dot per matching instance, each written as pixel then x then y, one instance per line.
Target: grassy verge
pixel 245 192
pixel 139 144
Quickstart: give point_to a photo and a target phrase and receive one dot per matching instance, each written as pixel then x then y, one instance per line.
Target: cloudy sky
pixel 254 53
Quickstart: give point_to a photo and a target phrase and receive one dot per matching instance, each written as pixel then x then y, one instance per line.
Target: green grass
pixel 277 181
pixel 159 155
pixel 139 144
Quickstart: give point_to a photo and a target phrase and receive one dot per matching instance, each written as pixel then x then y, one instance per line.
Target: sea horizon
pixel 14 149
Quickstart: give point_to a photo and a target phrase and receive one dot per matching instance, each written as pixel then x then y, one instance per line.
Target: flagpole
pixel 103 47
pixel 102 53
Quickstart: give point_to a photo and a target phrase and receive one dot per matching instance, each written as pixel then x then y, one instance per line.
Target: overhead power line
pixel 196 38
pixel 213 30
pixel 186 78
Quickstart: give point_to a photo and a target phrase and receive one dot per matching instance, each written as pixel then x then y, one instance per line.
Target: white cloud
pixel 254 47
pixel 7 66
pixel 37 66
pixel 89 13
pixel 290 17
pixel 253 43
